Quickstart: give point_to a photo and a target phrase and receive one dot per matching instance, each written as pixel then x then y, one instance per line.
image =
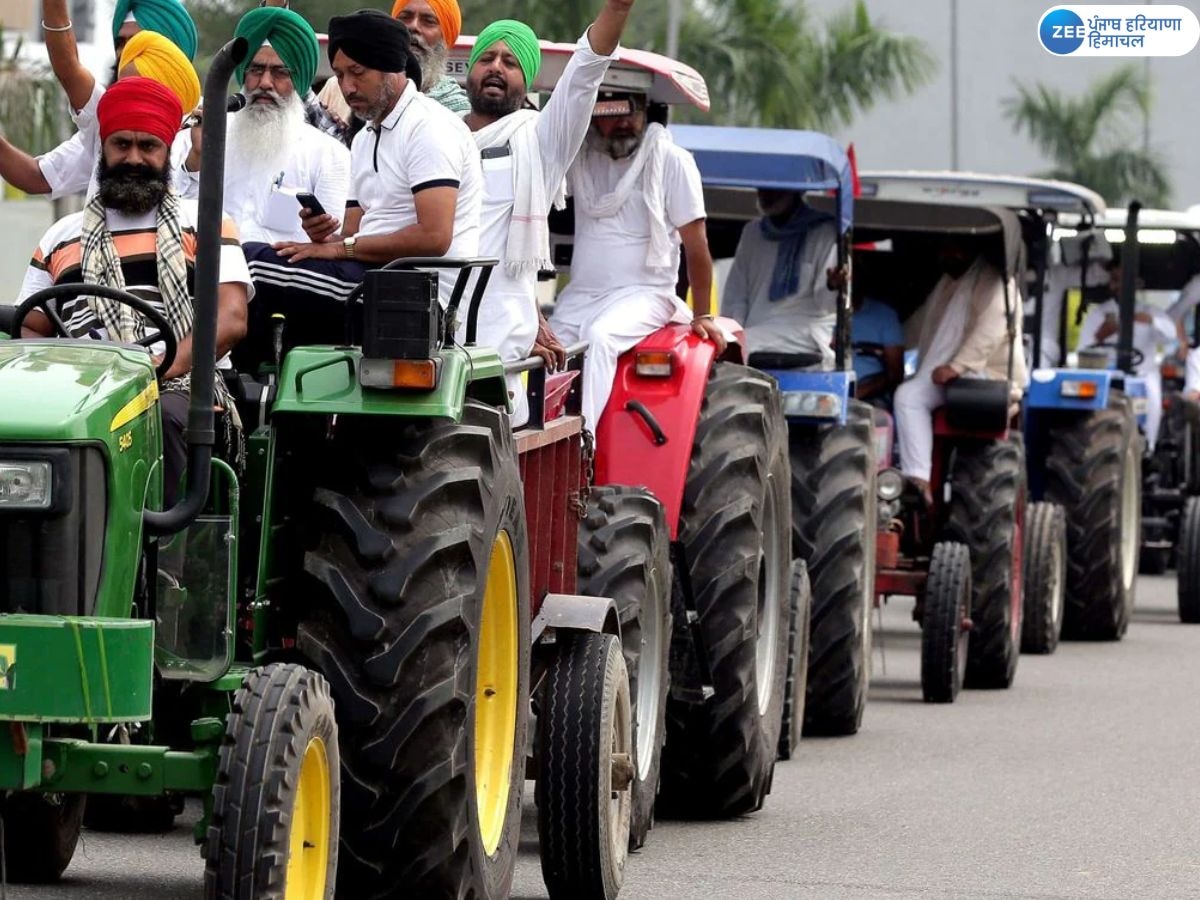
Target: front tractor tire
pixel 834 508
pixel 986 513
pixel 274 825
pixel 419 577
pixel 945 621
pixel 41 832
pixel 720 753
pixel 799 625
pixel 1045 577
pixel 1189 563
pixel 586 768
pixel 625 555
pixel 1094 472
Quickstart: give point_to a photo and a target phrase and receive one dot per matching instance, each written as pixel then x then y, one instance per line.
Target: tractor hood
pixel 58 390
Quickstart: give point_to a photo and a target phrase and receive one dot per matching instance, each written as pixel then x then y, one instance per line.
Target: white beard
pixel 260 136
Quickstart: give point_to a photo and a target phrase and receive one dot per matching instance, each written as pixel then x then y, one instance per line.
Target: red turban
pixel 140 104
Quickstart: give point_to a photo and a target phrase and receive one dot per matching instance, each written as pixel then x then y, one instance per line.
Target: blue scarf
pixel 785 280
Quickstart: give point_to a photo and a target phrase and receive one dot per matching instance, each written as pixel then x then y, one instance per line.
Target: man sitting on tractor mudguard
pixel 416 187
pixel 637 196
pixel 526 155
pixel 783 285
pixel 135 234
pixel 963 334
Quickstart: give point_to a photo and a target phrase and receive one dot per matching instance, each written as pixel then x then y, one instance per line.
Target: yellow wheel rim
pixel 308 842
pixel 496 693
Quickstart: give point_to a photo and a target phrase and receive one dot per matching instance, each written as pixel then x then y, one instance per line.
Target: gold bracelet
pixel 66 27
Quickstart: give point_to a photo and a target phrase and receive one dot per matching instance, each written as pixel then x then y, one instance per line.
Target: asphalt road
pixel 1079 782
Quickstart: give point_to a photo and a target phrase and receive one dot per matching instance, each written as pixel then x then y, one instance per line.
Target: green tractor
pixel 353 646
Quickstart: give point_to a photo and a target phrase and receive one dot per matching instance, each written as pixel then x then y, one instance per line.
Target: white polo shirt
pixel 419 145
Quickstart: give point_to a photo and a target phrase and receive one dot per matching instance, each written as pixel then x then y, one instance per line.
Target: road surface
pixel 1079 782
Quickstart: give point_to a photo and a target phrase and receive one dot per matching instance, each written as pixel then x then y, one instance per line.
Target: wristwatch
pixel 349 243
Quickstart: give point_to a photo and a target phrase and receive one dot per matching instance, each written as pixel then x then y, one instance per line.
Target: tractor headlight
pixel 25 484
pixel 812 404
pixel 889 484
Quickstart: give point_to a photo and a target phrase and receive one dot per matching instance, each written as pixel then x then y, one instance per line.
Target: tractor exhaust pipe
pixel 1130 258
pixel 200 432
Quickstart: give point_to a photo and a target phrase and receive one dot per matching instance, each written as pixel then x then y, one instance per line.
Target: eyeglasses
pixel 278 73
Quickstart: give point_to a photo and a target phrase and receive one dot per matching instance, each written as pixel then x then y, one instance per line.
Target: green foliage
pixel 1090 138
pixel 767 62
pixel 33 109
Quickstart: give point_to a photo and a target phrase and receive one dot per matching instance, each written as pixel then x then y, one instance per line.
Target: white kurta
pixel 315 163
pixel 508 315
pixel 1146 338
pixel 615 299
pixel 801 323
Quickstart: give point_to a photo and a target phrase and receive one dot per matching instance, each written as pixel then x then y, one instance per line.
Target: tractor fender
pixel 577 612
pixel 644 438
pixel 1135 388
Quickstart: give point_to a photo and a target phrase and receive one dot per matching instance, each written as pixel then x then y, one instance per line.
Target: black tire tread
pixel 799 626
pixel 1189 563
pixel 941 625
pixel 1045 548
pixel 41 833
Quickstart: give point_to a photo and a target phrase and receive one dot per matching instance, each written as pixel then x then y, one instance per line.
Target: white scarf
pixel 528 247
pixel 945 322
pixel 651 157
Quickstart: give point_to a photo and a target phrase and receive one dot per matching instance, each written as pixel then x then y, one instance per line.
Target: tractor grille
pixel 50 563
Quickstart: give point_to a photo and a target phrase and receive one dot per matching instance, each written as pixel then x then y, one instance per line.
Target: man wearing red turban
pixel 136 235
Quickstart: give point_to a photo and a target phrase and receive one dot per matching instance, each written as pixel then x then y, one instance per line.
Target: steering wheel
pixel 41 301
pixel 1136 359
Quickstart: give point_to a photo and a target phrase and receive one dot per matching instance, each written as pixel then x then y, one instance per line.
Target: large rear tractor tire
pixel 41 832
pixel 585 736
pixel 1189 563
pixel 276 802
pixel 419 572
pixel 720 754
pixel 799 626
pixel 625 555
pixel 833 530
pixel 944 634
pixel 1045 577
pixel 1094 472
pixel 986 513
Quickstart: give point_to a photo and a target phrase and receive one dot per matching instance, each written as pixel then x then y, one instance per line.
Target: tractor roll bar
pixel 1130 258
pixel 536 362
pixel 200 433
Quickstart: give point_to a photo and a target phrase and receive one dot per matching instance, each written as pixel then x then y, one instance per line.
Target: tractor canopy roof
pixel 661 79
pixel 966 188
pixel 749 158
pixel 1169 245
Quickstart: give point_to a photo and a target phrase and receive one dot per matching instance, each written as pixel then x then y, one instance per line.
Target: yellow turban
pixel 154 56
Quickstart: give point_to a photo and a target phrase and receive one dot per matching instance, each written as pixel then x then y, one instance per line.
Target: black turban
pixel 375 40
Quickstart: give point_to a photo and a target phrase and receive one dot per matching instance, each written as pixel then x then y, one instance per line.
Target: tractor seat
pixel 975 407
pixel 784 361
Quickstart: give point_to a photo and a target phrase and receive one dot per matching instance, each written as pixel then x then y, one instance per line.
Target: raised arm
pixel 21 170
pixel 76 80
pixel 605 33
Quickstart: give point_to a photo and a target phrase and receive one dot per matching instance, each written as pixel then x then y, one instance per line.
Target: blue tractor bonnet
pixel 770 158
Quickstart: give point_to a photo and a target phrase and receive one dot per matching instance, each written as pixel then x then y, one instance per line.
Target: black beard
pixel 500 107
pixel 132 189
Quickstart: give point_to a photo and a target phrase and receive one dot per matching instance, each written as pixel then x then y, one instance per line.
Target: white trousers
pixel 509 324
pixel 610 326
pixel 915 400
pixel 1153 407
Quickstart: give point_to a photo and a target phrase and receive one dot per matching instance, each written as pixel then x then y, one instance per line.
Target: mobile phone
pixel 311 203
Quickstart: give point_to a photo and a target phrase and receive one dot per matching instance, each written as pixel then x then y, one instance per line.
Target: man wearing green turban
pixel 272 153
pixel 167 17
pixel 525 157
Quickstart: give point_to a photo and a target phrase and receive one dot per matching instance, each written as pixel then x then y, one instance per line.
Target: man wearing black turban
pixel 416 185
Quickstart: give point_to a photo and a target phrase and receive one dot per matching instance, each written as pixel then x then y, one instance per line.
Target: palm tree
pixel 766 62
pixel 1091 138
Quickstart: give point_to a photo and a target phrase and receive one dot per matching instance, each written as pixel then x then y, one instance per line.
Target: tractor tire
pixel 419 571
pixel 1045 577
pixel 1093 471
pixel 41 832
pixel 585 756
pixel 274 824
pixel 799 625
pixel 720 754
pixel 986 513
pixel 834 508
pixel 944 634
pixel 1189 563
pixel 625 555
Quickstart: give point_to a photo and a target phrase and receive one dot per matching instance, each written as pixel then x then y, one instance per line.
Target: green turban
pixel 167 17
pixel 289 35
pixel 520 40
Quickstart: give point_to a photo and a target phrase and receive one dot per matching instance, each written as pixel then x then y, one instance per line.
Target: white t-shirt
pixel 261 198
pixel 1146 337
pixel 419 145
pixel 610 253
pixel 58 259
